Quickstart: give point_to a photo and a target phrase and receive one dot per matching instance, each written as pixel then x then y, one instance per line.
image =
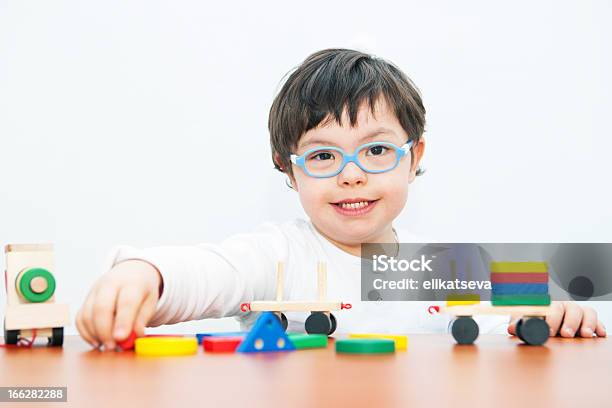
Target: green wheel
pixel 25 287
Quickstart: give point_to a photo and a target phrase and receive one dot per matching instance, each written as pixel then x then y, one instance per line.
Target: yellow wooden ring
pixel 166 346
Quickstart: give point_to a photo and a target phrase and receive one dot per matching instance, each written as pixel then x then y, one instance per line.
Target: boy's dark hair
pixel 332 80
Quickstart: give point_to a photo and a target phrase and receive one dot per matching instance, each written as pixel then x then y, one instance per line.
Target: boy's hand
pixel 122 300
pixel 569 320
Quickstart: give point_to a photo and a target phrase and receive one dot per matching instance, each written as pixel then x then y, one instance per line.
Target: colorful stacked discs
pixel 519 283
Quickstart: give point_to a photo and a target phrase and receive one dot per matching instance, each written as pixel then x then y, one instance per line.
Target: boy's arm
pixel 212 280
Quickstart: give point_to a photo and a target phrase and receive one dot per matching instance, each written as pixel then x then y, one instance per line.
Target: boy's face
pixel 385 193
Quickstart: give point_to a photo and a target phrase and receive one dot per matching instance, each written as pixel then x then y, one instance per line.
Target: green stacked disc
pixel 520 300
pixel 365 346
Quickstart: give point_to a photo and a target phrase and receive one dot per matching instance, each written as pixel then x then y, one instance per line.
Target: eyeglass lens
pixel 375 158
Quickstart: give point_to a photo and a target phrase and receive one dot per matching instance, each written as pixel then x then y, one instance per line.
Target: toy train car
pixel 532 329
pixel 320 321
pixel 30 288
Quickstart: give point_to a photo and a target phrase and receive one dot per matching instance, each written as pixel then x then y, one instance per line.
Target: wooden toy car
pixel 532 329
pixel 30 288
pixel 320 321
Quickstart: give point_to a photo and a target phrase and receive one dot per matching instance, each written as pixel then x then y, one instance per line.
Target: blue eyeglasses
pixel 329 161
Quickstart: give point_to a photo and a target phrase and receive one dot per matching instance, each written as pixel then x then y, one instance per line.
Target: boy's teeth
pixel 354 206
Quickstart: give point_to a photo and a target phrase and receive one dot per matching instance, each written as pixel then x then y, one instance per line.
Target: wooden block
pixel 38 284
pixel 520 300
pixel 221 344
pixel 294 306
pixel 401 341
pixel 519 267
pixel 36 315
pixel 201 336
pixel 322 280
pixel 28 247
pixel 308 341
pixel 266 335
pixel 280 280
pixel 166 346
pixel 462 300
pixel 365 346
pixel 29 333
pixel 22 257
pixel 486 309
pixel 519 277
pixel 519 289
pixel 128 343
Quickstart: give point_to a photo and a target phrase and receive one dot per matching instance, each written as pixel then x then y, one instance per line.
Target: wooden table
pixel 434 372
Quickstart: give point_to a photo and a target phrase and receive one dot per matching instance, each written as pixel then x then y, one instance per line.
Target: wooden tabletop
pixel 495 372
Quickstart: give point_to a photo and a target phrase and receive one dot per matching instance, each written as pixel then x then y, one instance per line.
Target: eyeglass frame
pixel 400 152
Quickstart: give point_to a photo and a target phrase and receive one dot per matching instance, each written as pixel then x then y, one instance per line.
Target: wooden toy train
pixel 518 288
pixel 320 321
pixel 31 310
pixel 532 329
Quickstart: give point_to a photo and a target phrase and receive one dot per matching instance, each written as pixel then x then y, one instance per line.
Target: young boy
pixel 336 102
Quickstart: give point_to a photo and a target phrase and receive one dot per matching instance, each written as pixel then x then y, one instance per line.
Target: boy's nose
pixel 352 174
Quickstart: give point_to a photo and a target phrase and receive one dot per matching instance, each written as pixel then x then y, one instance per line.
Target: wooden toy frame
pixel 320 321
pixel 532 328
pixel 24 318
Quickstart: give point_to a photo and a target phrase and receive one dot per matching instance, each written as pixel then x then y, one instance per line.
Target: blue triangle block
pixel 267 334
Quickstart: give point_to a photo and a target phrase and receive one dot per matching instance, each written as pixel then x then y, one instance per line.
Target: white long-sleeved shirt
pixel 213 280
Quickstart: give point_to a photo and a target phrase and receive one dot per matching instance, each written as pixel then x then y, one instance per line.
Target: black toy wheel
pixel 283 320
pixel 519 330
pixel 334 324
pixel 318 323
pixel 464 330
pixel 57 337
pixel 533 331
pixel 11 336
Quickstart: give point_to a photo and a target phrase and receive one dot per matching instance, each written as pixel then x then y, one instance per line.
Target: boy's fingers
pixel 554 320
pixel 572 319
pixel 589 322
pixel 104 310
pixel 601 329
pixel 129 301
pixel 83 331
pixel 512 325
pixel 145 313
pixel 87 318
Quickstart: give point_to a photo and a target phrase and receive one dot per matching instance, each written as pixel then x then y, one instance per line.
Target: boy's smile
pixel 356 207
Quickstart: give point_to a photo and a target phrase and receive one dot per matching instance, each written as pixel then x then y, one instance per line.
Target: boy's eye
pixel 377 150
pixel 325 155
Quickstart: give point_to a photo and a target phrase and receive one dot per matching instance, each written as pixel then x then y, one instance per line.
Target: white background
pixel 145 122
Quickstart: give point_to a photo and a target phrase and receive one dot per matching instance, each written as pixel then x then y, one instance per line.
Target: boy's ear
pixel 291 182
pixel 418 152
pixel 277 162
